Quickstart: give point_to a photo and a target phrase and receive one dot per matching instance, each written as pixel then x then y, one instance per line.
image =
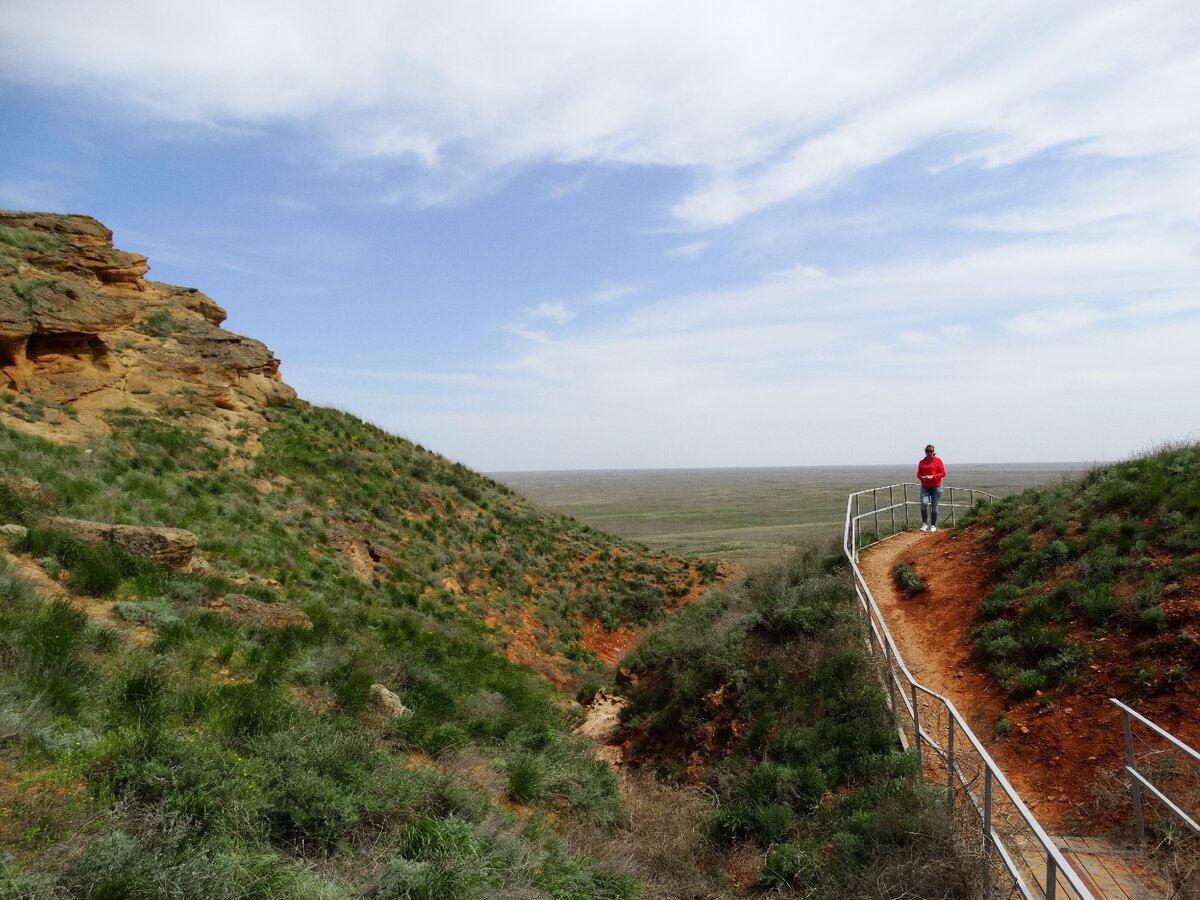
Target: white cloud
pixel 29 194
pixel 764 103
pixel 692 250
pixel 1060 300
pixel 610 293
pixel 558 313
pixel 1042 323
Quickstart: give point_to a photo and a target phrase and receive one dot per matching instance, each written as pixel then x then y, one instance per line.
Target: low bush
pixel 907 579
pixel 771 678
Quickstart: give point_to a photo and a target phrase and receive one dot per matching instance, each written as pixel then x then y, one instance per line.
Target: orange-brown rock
pixel 81 329
pixel 170 547
pixel 257 613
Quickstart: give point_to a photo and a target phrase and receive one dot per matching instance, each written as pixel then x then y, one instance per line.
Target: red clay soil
pixel 1063 747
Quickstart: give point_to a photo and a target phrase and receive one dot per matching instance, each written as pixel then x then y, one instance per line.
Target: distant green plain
pixel 745 515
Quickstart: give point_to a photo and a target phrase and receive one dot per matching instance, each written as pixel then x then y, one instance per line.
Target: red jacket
pixel 934 467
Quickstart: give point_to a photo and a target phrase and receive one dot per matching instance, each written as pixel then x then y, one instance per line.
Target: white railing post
pixel 950 769
pixel 917 731
pixel 1133 782
pixel 1137 780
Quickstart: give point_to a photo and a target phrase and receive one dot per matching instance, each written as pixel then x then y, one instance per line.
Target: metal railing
pixel 1019 858
pixel 1138 781
pixel 953 499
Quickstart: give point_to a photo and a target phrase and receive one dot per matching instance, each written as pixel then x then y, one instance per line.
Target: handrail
pixel 1016 837
pixel 1137 780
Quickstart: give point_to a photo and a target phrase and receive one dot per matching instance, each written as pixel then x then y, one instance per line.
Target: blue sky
pixel 544 235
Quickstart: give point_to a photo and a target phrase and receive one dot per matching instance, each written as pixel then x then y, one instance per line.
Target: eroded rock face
pixel 170 547
pixel 81 329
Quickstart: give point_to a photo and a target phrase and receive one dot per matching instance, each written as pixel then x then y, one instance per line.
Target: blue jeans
pixel 929 503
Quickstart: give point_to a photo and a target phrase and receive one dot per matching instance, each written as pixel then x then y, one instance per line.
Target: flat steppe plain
pixel 745 515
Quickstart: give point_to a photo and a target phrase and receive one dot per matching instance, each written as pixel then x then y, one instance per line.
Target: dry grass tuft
pixel 661 843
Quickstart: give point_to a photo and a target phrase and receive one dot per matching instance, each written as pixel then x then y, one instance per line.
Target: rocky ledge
pixel 82 332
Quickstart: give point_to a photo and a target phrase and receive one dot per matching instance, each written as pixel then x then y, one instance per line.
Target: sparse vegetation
pixel 907 579
pixel 1100 555
pixel 769 684
pixel 28 239
pixel 224 759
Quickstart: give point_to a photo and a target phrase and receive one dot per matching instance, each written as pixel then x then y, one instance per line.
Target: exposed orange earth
pixel 1067 745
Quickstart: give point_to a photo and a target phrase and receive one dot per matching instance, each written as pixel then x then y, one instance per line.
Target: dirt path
pixel 98 611
pixel 1054 749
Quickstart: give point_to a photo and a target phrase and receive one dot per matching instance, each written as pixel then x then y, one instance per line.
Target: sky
pixel 575 235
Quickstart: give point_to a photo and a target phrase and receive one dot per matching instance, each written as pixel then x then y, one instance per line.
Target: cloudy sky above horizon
pixel 545 235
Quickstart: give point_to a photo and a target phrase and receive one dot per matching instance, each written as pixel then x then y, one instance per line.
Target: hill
pixel 1042 606
pixel 347 683
pixel 256 648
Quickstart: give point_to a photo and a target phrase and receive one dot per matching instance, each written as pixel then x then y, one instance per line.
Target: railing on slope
pixel 1020 858
pixel 1139 780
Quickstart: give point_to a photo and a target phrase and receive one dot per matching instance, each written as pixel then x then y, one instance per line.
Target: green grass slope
pixel 152 747
pixel 1104 568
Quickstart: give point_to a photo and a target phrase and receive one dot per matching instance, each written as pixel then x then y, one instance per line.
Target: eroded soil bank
pixel 1065 750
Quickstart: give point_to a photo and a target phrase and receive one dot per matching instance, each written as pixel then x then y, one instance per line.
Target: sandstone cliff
pixel 83 332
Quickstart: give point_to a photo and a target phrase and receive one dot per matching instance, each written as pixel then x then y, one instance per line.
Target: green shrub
pixel 1028 682
pixel 16 506
pixel 1098 604
pixel 789 866
pixel 526 778
pixel 999 601
pixel 907 579
pixel 95 569
pixel 1153 619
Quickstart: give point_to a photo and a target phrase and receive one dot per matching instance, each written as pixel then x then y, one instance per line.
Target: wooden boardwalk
pixel 1112 871
pixel 1109 869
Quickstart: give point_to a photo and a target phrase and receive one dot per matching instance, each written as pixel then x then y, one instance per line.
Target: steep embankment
pixel 329 697
pixel 1051 602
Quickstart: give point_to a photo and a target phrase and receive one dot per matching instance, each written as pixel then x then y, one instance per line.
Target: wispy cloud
pixel 692 250
pixel 987 215
pixel 558 313
pixel 29 194
pixel 611 293
pixel 1042 323
pixel 764 104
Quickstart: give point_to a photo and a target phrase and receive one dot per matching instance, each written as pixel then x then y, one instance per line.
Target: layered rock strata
pixel 83 332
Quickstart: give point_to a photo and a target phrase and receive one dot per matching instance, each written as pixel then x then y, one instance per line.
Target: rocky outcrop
pixel 388 702
pixel 83 331
pixel 258 614
pixel 170 547
pixel 78 247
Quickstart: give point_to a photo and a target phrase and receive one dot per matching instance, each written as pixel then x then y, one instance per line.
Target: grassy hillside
pixel 363 684
pixel 762 692
pixel 1102 566
pixel 153 747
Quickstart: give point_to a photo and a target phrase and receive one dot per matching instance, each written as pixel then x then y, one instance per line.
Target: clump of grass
pixel 94 569
pixel 159 324
pixel 907 579
pixel 28 239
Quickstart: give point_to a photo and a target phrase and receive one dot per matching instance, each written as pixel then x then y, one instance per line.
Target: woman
pixel 930 472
